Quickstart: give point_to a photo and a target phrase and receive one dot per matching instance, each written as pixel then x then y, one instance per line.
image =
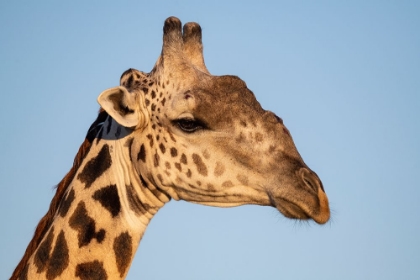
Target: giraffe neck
pixel 102 216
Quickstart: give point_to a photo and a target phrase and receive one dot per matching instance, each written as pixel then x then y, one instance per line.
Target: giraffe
pixel 179 133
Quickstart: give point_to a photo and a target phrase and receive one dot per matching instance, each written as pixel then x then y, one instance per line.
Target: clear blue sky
pixel 344 76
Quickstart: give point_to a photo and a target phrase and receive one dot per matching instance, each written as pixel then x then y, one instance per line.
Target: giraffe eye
pixel 189 125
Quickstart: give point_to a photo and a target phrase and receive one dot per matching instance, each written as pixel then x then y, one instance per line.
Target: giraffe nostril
pixel 311 179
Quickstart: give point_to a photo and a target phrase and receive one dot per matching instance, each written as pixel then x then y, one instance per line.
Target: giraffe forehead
pixel 216 101
pixel 226 118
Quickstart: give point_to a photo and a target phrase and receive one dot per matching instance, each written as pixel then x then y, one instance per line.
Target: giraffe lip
pixel 290 209
pixel 293 210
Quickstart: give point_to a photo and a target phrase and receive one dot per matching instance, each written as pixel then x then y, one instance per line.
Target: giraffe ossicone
pixel 174 133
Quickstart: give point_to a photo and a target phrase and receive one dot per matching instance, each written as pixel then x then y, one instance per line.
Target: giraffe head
pixel 206 139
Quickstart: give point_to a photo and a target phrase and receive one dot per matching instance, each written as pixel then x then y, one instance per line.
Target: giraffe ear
pixel 123 107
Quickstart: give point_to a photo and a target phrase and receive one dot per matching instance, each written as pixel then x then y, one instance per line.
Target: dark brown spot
pixel 210 187
pixel 85 226
pixel 95 167
pixel 153 107
pixel 167 165
pixel 163 101
pixel 147 101
pixel 142 154
pixel 150 137
pixel 57 262
pixel 156 160
pixel 153 94
pixel 243 179
pixel 206 154
pixel 178 166
pixel 227 184
pixel 188 173
pixel 109 199
pixel 59 257
pixel 91 271
pixel 42 255
pixel 183 159
pixel 174 152
pixel 65 205
pixel 162 148
pixel 145 90
pixel 123 252
pixel 201 168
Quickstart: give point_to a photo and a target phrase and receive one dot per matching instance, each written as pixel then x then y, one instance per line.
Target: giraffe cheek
pixel 199 164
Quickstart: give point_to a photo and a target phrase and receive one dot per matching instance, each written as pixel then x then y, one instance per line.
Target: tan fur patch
pixel 219 169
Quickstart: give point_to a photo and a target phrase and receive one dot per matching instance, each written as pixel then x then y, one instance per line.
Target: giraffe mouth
pixel 290 210
pixel 320 214
pixel 310 202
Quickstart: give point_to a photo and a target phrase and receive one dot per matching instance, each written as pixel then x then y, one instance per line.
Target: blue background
pixel 344 76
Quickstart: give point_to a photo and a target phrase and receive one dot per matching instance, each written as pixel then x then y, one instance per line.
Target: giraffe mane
pixel 46 221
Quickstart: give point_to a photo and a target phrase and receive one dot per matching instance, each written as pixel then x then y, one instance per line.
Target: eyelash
pixel 189 125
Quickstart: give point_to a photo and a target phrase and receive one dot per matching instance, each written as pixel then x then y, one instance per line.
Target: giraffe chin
pixel 320 212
